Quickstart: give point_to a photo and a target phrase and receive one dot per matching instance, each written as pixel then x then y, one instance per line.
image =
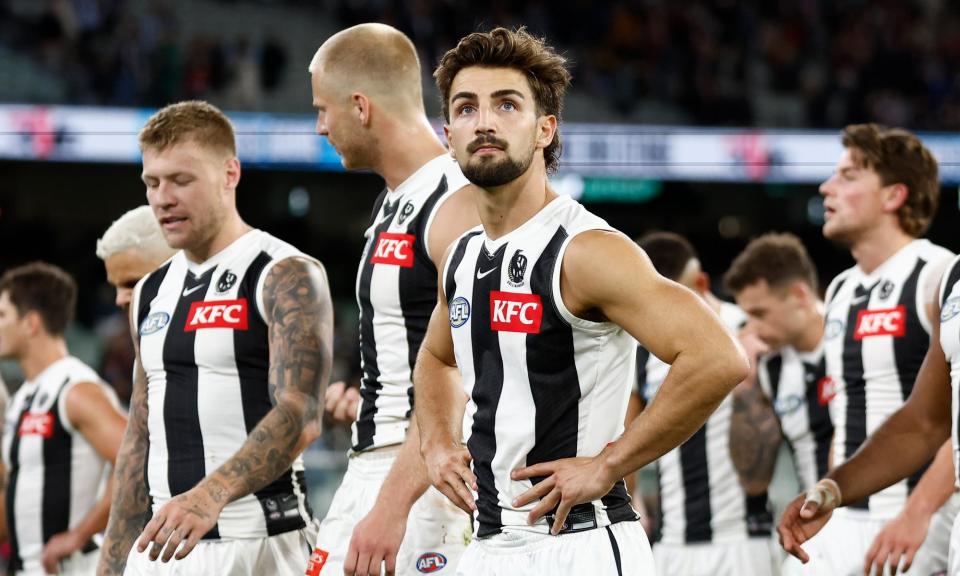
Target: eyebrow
pixel 495 94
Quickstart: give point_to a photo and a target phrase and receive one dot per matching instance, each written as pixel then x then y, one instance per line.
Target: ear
pixel 446 135
pixel 702 282
pixel 233 172
pixel 33 322
pixel 361 108
pixel 546 129
pixel 894 196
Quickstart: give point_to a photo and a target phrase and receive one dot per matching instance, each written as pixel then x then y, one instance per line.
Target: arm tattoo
pixel 130 504
pixel 754 438
pixel 300 323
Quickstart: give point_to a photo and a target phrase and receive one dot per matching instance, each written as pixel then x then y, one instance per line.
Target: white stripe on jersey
pixel 33 480
pixel 725 520
pixel 950 342
pixel 792 380
pixel 221 393
pixel 878 323
pixel 577 390
pixel 396 263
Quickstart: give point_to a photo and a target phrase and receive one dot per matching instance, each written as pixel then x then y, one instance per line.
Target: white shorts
pixel 618 550
pixel 955 548
pixel 437 531
pixel 282 555
pixel 79 564
pixel 747 557
pixel 842 544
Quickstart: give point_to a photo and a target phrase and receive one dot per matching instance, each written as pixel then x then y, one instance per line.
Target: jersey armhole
pixel 919 297
pixel 557 297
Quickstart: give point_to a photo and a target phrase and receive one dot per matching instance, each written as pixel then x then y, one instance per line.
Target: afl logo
pixel 833 329
pixel 950 309
pixel 787 405
pixel 431 562
pixel 154 323
pixel 518 267
pixel 459 312
pixel 405 213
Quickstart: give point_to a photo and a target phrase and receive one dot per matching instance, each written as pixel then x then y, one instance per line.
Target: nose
pixel 123 298
pixel 321 124
pixel 161 196
pixel 485 121
pixel 826 187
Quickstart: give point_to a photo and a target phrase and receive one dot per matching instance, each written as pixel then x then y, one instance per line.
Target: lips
pixel 172 222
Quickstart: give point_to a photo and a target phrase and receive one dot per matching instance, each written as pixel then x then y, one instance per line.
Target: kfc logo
pixel 891 322
pixel 317 560
pixel 37 425
pixel 395 249
pixel 512 312
pixel 218 314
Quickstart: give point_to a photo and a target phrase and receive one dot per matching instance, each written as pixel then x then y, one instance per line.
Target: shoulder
pixel 838 281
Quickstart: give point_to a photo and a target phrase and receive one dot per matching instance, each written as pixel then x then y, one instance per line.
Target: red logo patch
pixel 218 314
pixel 826 390
pixel 317 560
pixel 890 322
pixel 512 312
pixel 395 249
pixel 37 425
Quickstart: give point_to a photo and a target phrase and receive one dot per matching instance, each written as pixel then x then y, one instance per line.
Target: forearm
pixel 754 438
pixel 96 519
pixel 268 451
pixel 694 387
pixel 936 485
pixel 130 503
pixel 440 401
pixel 871 469
pixel 407 480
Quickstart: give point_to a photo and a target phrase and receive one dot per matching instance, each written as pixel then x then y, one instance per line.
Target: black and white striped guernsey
pixel 205 349
pixel 54 472
pixel 796 384
pixel 950 342
pixel 875 338
pixel 542 383
pixel 701 498
pixel 397 292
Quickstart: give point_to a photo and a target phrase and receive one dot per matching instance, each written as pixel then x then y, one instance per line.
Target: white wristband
pixel 826 493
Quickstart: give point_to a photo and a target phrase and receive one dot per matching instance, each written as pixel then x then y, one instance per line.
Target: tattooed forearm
pixel 130 505
pixel 754 438
pixel 300 318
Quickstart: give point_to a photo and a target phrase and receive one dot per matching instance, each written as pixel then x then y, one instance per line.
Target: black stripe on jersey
pixel 856 389
pixel 696 488
pixel 149 291
pixel 643 356
pixel 418 284
pixel 910 349
pixel 377 204
pixel 449 283
pixel 953 276
pixel 818 415
pixel 370 382
pixel 57 469
pixel 616 551
pixel 181 417
pixel 488 386
pixel 829 297
pixel 16 562
pixel 774 366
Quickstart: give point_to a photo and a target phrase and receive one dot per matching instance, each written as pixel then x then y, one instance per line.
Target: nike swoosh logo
pixel 481 275
pixel 855 301
pixel 190 291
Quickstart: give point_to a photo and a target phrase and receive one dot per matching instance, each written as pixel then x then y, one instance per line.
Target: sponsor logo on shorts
pixel 950 309
pixel 217 314
pixel 431 562
pixel 154 323
pixel 459 312
pixel 833 329
pixel 889 322
pixel 512 312
pixel 37 425
pixel 317 560
pixel 826 390
pixel 395 249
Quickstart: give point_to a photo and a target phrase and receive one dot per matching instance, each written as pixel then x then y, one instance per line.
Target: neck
pixel 232 229
pixel 810 338
pixel 877 245
pixel 43 351
pixel 712 301
pixel 505 208
pixel 405 146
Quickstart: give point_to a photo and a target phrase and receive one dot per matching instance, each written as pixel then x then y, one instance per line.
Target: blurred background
pixel 716 119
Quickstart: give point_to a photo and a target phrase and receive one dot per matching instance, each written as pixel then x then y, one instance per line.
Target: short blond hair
pixel 373 58
pixel 195 121
pixel 136 230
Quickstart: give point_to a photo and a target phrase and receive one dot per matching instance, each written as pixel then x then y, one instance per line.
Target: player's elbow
pixel 733 366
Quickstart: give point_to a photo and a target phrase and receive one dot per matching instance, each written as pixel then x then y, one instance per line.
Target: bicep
pixel 299 316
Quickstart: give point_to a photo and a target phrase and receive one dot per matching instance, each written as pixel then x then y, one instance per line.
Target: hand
pixel 59 547
pixel 567 482
pixel 806 516
pixel 899 539
pixel 341 402
pixel 449 470
pixel 183 520
pixel 376 540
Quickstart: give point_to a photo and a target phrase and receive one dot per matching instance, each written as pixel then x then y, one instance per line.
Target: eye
pixel 508 106
pixel 465 109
